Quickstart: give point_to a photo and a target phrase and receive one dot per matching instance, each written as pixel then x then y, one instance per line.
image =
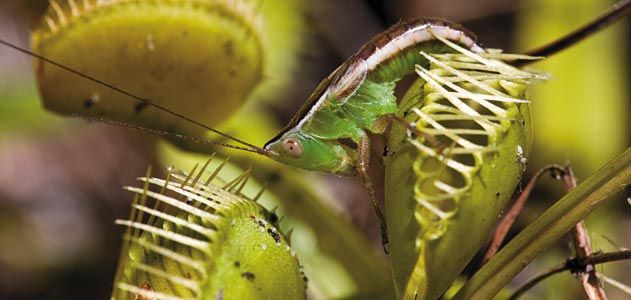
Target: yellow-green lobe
pixel 199 58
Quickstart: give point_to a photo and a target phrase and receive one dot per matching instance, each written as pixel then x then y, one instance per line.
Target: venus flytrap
pixel 442 199
pixel 204 57
pixel 198 237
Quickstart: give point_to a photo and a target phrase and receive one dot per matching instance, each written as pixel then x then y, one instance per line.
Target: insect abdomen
pixel 350 119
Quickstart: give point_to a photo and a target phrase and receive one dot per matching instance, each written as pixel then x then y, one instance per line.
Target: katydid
pixel 357 98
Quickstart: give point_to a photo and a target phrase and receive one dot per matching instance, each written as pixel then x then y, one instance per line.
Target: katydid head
pixel 305 151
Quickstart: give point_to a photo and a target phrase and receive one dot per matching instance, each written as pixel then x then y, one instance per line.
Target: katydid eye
pixel 292 148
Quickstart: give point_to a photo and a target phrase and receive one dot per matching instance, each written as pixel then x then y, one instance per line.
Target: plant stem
pixel 603 185
pixel 580 237
pixel 574 265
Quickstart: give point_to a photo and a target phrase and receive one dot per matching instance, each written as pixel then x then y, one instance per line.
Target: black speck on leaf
pixel 273 218
pixel 248 275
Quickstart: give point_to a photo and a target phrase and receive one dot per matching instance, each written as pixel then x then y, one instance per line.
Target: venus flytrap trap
pixel 446 188
pixel 210 53
pixel 199 237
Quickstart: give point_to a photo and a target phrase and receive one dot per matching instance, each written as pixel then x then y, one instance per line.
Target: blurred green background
pixel 60 179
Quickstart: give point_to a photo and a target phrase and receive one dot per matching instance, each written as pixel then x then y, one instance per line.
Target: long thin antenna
pixel 165 133
pixel 615 13
pixel 145 101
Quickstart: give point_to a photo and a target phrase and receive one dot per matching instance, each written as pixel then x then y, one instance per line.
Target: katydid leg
pixel 363 160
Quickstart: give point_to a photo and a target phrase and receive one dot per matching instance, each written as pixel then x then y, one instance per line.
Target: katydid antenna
pixel 252 148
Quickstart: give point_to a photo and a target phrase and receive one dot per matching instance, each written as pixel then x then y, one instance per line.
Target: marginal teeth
pixel 51 24
pixel 145 293
pixel 60 12
pixel 74 9
pixel 61 15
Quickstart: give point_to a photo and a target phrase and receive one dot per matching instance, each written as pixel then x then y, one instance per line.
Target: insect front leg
pixel 363 160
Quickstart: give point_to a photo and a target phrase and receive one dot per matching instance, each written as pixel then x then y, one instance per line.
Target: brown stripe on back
pixel 396 30
pixel 365 51
pixel 381 40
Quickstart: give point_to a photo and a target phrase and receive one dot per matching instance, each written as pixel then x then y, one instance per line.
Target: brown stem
pixel 513 212
pixel 580 237
pixel 615 13
pixel 575 265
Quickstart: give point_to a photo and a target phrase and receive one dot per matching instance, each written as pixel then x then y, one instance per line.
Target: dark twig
pixel 580 237
pixel 615 13
pixel 513 212
pixel 600 258
pixel 575 265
